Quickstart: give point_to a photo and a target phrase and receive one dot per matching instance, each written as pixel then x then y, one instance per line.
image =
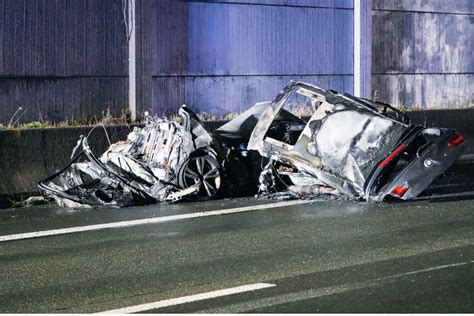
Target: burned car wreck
pixel 306 141
pixel 163 161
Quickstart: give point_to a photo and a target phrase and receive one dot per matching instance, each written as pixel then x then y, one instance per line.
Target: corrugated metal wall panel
pixel 61 24
pixel 63 38
pixel 56 56
pixel 303 3
pixel 220 95
pixel 61 98
pixel 76 52
pixel 222 58
pixel 170 37
pixel 2 27
pixel 226 39
pixel 8 40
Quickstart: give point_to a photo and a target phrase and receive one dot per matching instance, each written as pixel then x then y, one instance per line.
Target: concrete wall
pixel 423 52
pixel 27 156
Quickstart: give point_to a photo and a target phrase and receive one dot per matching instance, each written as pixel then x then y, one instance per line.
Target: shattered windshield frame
pixel 354 170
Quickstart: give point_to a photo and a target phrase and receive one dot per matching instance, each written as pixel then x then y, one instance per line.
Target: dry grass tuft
pixel 107 119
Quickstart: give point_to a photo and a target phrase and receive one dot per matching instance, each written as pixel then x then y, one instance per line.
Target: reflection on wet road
pixel 320 256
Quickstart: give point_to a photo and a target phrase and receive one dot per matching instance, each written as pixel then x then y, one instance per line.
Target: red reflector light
pixel 400 191
pixel 456 140
pixel 392 155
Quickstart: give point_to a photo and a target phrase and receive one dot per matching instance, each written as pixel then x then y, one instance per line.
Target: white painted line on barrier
pixel 189 299
pixel 153 220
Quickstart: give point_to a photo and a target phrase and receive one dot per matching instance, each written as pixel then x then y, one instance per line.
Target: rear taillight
pixel 392 155
pixel 456 140
pixel 399 191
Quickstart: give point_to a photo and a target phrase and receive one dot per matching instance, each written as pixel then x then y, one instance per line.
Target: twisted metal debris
pixel 352 146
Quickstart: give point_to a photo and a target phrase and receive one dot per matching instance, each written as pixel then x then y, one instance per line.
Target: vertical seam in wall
pixel 104 23
pixel 55 40
pixel 353 47
pixel 86 55
pixel 45 68
pixel 24 37
pixel 35 39
pixel 3 37
pixel 65 39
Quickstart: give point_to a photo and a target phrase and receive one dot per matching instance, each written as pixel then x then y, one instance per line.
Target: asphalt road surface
pixel 244 255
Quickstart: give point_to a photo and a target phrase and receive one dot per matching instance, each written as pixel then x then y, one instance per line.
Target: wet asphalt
pixel 324 256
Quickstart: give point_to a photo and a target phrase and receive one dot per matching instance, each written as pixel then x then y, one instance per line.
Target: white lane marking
pixel 153 220
pixel 188 299
pixel 425 270
pixel 315 293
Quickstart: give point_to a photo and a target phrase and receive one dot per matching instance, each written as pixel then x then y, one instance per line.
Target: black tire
pixel 204 169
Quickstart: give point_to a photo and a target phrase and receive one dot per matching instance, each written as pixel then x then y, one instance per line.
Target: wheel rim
pixel 202 170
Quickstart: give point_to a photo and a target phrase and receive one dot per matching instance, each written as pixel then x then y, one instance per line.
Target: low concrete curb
pixel 27 156
pixel 461 120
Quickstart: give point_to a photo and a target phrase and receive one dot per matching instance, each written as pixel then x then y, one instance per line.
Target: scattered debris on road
pixel 351 146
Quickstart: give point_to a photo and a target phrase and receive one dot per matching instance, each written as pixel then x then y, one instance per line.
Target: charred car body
pixel 164 160
pixel 347 145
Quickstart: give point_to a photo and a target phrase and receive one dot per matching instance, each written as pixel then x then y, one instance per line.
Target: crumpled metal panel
pixel 341 143
pixel 351 146
pixel 142 169
pixel 351 142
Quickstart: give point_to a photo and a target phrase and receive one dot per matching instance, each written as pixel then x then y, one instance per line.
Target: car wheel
pixel 204 170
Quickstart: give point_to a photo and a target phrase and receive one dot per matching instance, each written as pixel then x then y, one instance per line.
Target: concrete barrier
pixel 29 155
pixel 462 120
